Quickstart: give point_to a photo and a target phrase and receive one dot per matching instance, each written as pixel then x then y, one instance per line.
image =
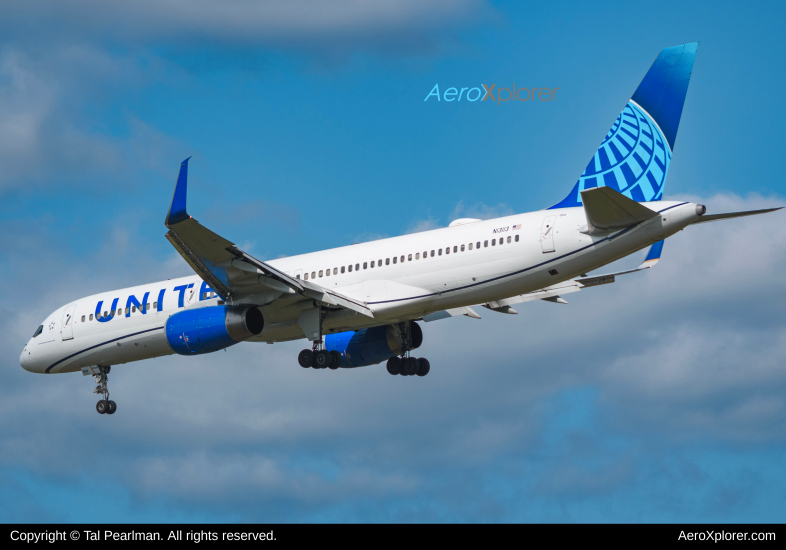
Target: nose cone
pixel 25 360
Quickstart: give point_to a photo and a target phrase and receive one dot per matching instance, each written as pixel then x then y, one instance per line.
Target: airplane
pixel 361 305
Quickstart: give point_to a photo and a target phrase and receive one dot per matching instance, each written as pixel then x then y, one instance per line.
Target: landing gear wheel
pixel 410 366
pixel 112 407
pixel 394 365
pixel 305 358
pixel 102 406
pixel 322 359
pixel 425 366
pixel 337 360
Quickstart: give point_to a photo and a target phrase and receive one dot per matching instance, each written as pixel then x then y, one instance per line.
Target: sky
pixel 659 398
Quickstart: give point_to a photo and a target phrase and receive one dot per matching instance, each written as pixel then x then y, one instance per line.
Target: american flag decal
pixel 516 227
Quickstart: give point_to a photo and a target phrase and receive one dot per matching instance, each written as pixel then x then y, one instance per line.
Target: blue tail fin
pixel 635 155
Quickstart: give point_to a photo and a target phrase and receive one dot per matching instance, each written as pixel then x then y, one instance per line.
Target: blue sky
pixel 659 398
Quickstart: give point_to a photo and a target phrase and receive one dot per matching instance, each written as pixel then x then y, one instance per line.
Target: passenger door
pixel 67 324
pixel 547 234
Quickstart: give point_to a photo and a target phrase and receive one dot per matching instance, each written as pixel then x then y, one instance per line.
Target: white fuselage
pixel 551 248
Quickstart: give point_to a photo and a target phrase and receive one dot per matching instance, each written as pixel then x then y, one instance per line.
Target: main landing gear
pixel 319 358
pixel 106 405
pixel 310 320
pixel 408 366
pixel 411 337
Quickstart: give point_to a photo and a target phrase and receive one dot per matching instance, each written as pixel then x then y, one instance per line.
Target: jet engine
pixel 374 345
pixel 208 329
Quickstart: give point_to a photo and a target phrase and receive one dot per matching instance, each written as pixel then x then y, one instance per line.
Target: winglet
pixel 177 209
pixel 653 255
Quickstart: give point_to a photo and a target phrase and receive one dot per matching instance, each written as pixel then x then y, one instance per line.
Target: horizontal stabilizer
pixel 608 210
pixel 716 217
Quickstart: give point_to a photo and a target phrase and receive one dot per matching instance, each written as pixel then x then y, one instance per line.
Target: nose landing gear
pixel 105 405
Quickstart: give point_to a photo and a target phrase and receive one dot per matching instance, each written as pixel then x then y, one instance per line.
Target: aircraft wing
pixel 553 293
pixel 236 275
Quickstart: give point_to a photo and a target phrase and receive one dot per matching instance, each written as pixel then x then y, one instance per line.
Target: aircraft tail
pixel 635 154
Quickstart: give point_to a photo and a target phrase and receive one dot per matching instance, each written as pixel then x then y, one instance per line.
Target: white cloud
pixel 332 23
pixel 691 349
pixel 46 136
pixel 480 211
pixel 423 225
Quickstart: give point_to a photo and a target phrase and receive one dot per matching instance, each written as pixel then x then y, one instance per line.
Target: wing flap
pixel 448 313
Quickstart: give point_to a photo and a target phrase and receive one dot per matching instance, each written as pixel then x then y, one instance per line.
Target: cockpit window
pixel 38 331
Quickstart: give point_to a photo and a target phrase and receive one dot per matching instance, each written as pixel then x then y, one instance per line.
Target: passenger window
pixel 155 304
pixel 357 267
pixel 485 243
pixel 402 258
pixel 313 274
pixel 305 277
pixel 477 245
pixel 38 330
pixel 350 269
pixel 517 238
pixel 342 269
pixel 133 309
pixel 91 317
pixel 508 239
pixel 335 271
pixel 379 263
pixel 320 272
pixel 395 260
pixel 297 276
pixel 439 252
pixel 455 249
pixel 425 254
pixel 470 246
pixel 83 318
pixel 493 242
pixel 432 253
pixel 417 256
pixel 447 250
pixel 410 257
pixel 462 248
pixel 365 265
pixel 387 261
pixel 502 240
pixel 372 264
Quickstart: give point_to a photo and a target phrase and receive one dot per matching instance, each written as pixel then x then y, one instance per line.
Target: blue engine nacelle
pixel 208 329
pixel 371 345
